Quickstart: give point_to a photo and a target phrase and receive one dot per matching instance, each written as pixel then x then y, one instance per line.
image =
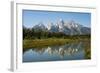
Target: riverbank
pixel 39 43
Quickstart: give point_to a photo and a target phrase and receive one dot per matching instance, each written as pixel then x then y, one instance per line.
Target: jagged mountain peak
pixel 40 26
pixel 69 28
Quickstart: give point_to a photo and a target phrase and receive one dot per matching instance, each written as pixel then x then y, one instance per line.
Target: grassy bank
pixel 38 43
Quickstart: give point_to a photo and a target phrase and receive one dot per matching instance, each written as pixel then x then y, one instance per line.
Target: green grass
pixel 39 43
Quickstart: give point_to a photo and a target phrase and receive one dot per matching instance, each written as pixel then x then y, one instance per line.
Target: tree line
pixel 31 33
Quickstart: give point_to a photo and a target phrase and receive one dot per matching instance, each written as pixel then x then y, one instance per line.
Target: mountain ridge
pixel 68 28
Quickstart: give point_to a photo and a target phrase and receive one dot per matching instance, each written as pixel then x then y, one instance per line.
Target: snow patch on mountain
pixel 68 27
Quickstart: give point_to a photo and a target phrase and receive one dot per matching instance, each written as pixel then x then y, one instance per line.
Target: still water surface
pixel 70 51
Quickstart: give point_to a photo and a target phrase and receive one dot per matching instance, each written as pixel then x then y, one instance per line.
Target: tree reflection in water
pixel 66 50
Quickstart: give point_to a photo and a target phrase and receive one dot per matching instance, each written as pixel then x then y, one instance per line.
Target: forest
pixel 31 33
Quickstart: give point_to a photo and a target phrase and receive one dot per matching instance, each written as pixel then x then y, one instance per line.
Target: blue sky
pixel 32 17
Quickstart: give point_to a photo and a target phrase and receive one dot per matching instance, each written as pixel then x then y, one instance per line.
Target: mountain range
pixel 68 28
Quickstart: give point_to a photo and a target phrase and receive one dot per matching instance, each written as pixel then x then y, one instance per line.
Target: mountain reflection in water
pixel 70 51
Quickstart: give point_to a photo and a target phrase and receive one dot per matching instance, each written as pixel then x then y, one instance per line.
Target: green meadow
pixel 39 43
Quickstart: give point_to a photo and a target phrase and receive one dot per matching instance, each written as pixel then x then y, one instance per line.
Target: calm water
pixel 71 51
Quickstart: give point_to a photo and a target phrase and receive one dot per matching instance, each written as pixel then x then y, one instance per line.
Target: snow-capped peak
pixel 60 23
pixel 49 25
pixel 68 28
pixel 40 26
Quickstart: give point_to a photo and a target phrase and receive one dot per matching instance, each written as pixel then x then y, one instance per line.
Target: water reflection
pixel 71 51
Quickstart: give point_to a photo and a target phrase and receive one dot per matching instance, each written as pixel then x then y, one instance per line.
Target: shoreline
pixel 39 43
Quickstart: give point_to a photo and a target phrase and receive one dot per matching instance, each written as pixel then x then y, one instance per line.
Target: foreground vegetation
pixel 39 43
